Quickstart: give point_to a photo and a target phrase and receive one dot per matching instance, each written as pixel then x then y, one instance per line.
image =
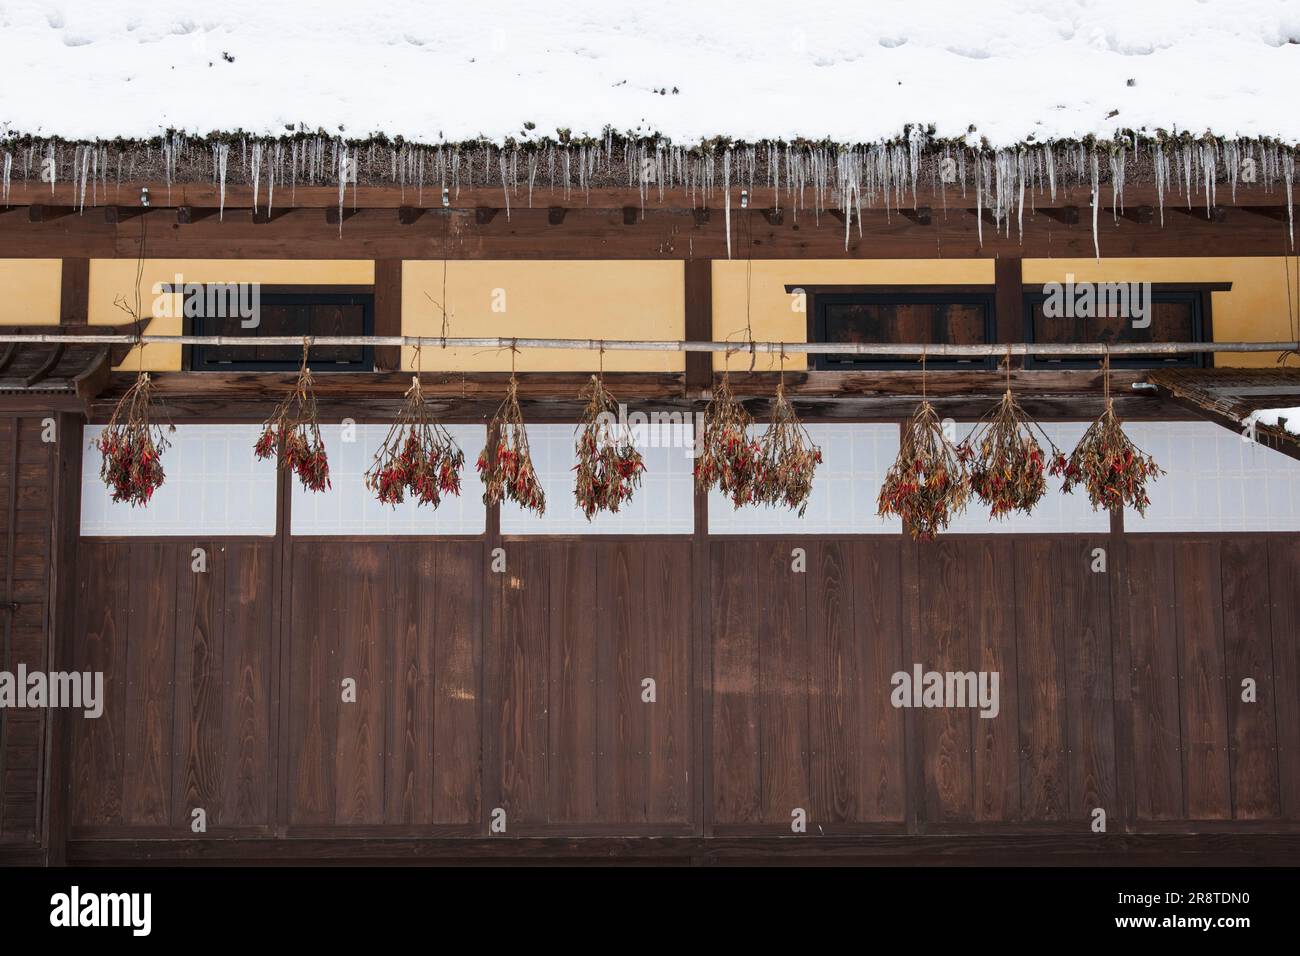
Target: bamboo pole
pixel 667 345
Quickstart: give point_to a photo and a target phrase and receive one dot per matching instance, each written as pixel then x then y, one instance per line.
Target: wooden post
pixel 74 292
pixel 60 636
pixel 699 321
pixel 1008 301
pixel 388 312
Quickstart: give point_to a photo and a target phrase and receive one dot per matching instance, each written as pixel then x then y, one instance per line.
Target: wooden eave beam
pixel 1265 435
pixel 50 364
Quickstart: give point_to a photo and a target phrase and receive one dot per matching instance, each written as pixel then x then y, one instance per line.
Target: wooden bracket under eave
pixel 1213 214
pixel 187 215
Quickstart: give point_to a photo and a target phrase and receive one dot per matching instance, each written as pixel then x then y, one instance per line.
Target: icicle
pixel 1096 201
pixel 84 166
pixel 343 182
pixel 726 186
pixel 7 178
pixel 1288 175
pixel 1117 183
pixel 1161 164
pixel 504 187
pixel 256 172
pixel 220 153
pixel 979 202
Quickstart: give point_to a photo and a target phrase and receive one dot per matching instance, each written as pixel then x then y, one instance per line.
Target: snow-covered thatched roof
pixel 1000 72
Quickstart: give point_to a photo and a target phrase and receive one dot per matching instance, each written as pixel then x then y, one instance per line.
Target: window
pixel 214 486
pixel 282 313
pixel 664 504
pixel 1214 481
pixel 1130 313
pixel 855 458
pixel 929 318
pixel 348 507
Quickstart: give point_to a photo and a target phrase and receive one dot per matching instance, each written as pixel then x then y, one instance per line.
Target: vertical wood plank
pixel 151 642
pixel 100 745
pixel 944 645
pixel 246 657
pixel 1284 626
pixel 1090 693
pixel 411 702
pixel 314 685
pixel 575 648
pixel 735 752
pixel 783 675
pixel 1248 653
pixel 1199 613
pixel 520 654
pixel 995 740
pixel 837 728
pixel 363 629
pixel 1153 641
pixel 201 738
pixel 667 626
pixel 455 631
pixel 1047 611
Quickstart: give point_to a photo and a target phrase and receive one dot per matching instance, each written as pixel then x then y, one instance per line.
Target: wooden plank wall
pixel 26 503
pixel 521 691
pixel 576 630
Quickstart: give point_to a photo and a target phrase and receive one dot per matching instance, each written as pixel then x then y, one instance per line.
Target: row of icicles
pixel 1002 461
pixel 815 176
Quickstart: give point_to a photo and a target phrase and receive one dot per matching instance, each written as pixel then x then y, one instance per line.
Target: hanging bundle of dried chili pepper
pixel 927 484
pixel 1006 463
pixel 728 456
pixel 609 467
pixel 292 434
pixel 418 455
pixel 506 465
pixel 132 447
pixel 1114 471
pixel 787 458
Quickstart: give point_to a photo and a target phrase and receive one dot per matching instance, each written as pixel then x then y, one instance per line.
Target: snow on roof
pixel 843 70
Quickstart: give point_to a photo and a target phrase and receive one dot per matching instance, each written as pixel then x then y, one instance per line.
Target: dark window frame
pixel 914 295
pixel 1197 294
pixel 364 296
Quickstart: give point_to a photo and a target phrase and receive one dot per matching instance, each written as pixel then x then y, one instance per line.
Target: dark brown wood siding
pixel 26 506
pixel 521 691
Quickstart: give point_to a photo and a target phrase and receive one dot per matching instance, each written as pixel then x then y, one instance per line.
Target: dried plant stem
pixel 418 455
pixel 787 458
pixel 506 464
pixel 609 467
pixel 927 484
pixel 728 456
pixel 132 447
pixel 292 434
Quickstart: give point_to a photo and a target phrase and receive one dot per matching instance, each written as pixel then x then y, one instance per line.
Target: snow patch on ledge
pixel 1286 418
pixel 843 70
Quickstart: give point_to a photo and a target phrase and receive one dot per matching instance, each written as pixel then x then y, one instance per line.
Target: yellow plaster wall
pixel 555 299
pixel 113 278
pixel 29 291
pixel 1254 311
pixel 774 313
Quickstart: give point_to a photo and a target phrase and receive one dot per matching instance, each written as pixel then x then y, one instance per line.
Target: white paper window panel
pixel 213 485
pixel 664 504
pixel 349 507
pixel 1214 481
pixel 855 458
pixel 1055 513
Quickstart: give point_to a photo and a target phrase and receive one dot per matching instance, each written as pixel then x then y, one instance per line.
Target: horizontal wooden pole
pixel 906 350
